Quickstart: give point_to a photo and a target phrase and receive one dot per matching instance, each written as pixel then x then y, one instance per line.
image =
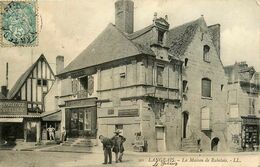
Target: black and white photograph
pixel 130 83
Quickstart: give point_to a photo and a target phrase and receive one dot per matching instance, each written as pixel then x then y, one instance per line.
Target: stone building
pixel 243 106
pixel 125 80
pixel 204 85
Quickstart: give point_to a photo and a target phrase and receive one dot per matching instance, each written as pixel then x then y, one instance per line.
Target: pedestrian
pixel 118 148
pixel 51 131
pixel 63 134
pixel 107 145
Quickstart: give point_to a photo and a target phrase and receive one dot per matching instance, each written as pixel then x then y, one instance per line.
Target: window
pixel 205 119
pixel 206 87
pixel 83 83
pixel 160 36
pixel 160 75
pixel 251 106
pixel 206 57
pixel 42 82
pixel 221 87
pixel 122 79
pixel 186 62
pixel 233 111
pixel 184 86
pixel 232 96
pixel 110 111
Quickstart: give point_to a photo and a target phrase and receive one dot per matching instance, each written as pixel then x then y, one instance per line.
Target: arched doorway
pixel 214 144
pixel 185 118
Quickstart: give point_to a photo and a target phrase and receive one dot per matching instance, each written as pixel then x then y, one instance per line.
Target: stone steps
pixel 189 145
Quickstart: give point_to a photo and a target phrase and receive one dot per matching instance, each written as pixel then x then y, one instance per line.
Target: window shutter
pixel 205 119
pixel 206 88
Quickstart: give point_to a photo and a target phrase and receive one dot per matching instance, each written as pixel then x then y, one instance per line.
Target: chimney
pixel 215 35
pixel 6 75
pixel 59 64
pixel 4 90
pixel 124 15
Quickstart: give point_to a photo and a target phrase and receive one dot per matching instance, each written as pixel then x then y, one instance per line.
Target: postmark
pixel 19 23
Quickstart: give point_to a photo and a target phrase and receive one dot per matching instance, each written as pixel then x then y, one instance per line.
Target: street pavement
pixel 40 158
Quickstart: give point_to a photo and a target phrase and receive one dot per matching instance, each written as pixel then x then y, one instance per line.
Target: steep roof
pixel 19 83
pixel 2 96
pixel 110 45
pixel 181 36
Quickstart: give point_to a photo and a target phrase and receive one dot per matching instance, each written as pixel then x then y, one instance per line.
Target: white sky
pixel 69 26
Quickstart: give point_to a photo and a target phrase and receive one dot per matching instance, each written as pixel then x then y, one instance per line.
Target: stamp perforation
pixel 36 8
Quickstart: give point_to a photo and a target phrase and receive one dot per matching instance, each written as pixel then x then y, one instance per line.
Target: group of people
pixel 114 144
pixel 51 132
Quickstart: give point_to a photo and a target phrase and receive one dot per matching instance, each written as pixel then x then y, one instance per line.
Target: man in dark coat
pixel 107 145
pixel 118 148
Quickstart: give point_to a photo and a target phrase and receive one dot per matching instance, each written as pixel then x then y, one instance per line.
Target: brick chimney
pixel 59 64
pixel 4 90
pixel 124 15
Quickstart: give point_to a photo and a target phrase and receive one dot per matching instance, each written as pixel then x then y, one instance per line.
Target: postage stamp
pixel 19 23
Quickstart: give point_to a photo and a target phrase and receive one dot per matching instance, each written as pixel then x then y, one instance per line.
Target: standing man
pixel 63 134
pixel 51 131
pixel 118 148
pixel 107 145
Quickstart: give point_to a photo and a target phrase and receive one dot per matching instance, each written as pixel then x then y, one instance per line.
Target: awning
pixel 19 120
pixel 55 116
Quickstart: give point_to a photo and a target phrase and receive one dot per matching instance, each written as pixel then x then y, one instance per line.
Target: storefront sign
pixel 81 102
pixel 250 121
pixel 128 113
pixel 13 107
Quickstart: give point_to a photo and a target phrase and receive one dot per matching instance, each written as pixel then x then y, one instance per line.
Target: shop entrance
pixel 11 131
pixel 81 122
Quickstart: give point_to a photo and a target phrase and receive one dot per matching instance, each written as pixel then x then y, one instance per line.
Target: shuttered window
pixel 160 75
pixel 206 87
pixel 205 118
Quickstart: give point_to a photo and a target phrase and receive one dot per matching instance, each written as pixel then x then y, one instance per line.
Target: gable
pixel 31 71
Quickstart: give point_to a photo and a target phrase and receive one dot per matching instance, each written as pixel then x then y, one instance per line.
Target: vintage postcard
pixel 148 83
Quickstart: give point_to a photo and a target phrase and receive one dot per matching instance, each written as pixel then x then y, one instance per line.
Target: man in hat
pixel 118 148
pixel 107 145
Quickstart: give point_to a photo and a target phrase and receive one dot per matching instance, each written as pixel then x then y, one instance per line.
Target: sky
pixel 67 27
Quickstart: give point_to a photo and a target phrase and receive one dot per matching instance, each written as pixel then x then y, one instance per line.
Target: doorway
pixel 214 144
pixel 160 139
pixel 185 118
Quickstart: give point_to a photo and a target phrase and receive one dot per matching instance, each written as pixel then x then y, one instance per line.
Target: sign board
pixel 11 107
pixel 128 113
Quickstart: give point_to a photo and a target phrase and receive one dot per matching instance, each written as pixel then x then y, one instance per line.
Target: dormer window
pixel 160 36
pixel 206 57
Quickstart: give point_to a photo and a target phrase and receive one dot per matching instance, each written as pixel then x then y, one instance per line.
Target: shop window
pixel 206 56
pixel 206 87
pixel 122 79
pixel 205 119
pixel 88 120
pixel 233 111
pixel 160 75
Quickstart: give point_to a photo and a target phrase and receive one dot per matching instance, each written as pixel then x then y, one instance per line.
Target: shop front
pixel 250 133
pixel 81 118
pixel 17 124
